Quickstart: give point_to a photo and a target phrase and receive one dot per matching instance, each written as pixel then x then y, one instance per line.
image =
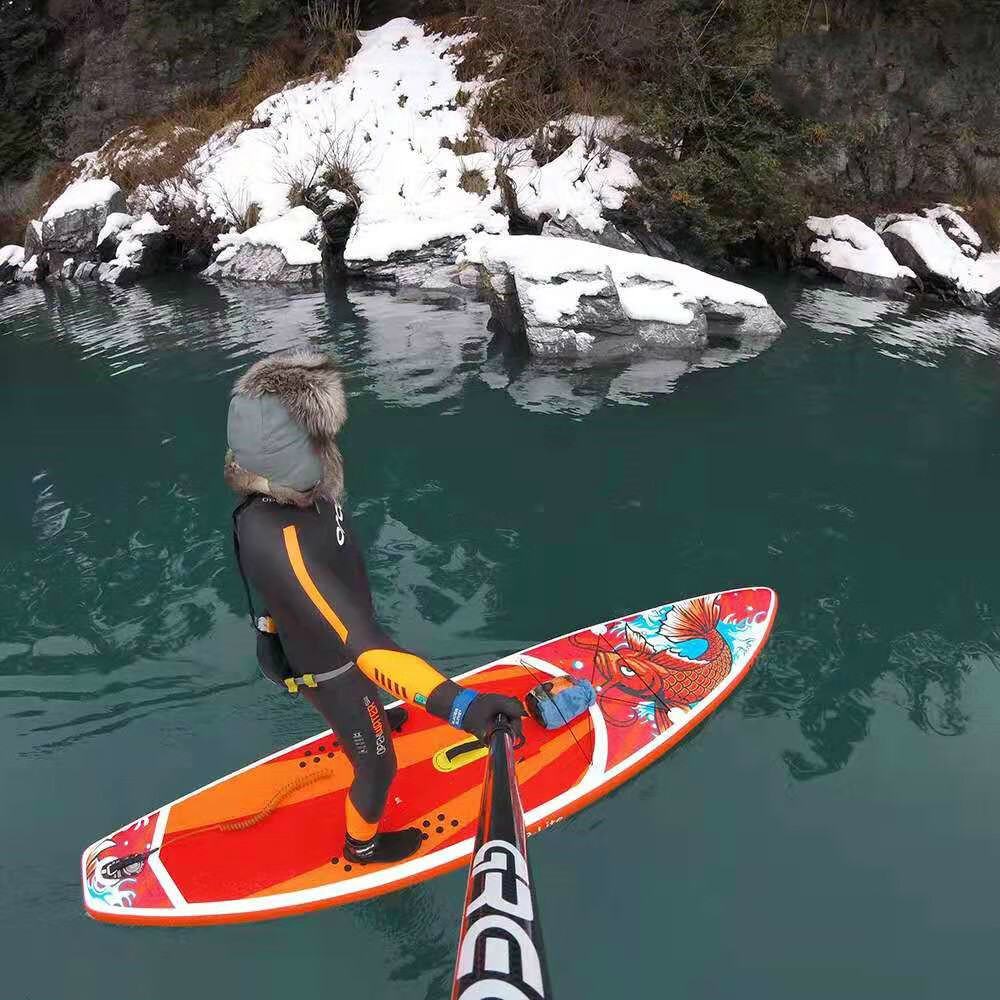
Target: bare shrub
pixel 550 142
pixel 240 211
pixel 468 145
pixel 984 216
pixel 330 17
pixel 176 205
pixel 334 162
pixel 474 181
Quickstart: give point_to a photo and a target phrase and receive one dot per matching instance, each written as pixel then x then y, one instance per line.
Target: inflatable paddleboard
pixel 264 841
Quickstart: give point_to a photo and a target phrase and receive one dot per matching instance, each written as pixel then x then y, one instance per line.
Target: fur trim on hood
pixel 308 386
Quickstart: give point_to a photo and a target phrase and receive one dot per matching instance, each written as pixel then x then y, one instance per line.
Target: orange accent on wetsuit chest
pixel 306 582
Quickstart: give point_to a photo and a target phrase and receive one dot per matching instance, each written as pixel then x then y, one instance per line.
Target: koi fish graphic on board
pixel 629 669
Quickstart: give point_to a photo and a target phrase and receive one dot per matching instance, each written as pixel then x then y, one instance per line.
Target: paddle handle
pixel 500 952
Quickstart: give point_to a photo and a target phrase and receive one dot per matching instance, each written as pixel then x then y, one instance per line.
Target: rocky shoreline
pixel 380 175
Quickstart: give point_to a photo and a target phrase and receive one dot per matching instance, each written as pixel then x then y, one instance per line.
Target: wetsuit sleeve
pixel 401 673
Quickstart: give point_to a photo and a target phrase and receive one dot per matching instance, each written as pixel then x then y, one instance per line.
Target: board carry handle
pixel 500 950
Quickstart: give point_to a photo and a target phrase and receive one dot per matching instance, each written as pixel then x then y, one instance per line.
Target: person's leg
pixel 351 707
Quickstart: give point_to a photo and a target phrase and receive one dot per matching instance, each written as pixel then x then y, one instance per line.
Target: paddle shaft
pixel 500 953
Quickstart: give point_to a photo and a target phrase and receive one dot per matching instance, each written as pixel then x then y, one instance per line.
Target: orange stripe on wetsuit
pixel 403 674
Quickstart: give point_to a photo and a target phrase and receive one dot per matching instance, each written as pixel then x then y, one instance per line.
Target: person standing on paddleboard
pixel 318 635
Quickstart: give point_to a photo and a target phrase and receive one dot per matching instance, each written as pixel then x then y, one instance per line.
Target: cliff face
pixel 143 58
pixel 73 72
pixel 901 97
pixel 913 95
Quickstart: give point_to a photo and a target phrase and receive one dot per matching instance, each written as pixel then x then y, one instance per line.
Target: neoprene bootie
pixel 396 716
pixel 383 848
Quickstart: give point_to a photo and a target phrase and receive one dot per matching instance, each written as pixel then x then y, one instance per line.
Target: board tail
pixel 695 619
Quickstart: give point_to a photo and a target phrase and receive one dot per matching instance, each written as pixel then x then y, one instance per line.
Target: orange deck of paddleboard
pixel 264 841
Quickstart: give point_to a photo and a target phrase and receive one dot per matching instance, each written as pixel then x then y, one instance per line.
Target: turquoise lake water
pixel 832 831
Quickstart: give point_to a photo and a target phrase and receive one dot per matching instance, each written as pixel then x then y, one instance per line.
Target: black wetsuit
pixel 308 568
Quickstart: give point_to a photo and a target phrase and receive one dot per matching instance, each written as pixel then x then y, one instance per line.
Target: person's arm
pixel 401 673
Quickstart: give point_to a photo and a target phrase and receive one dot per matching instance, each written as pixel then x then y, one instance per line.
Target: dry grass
pixel 467 146
pixel 984 216
pixel 474 181
pixel 550 142
pixel 241 212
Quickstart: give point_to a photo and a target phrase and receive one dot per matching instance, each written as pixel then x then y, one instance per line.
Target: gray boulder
pixel 117 272
pixel 569 298
pixel 847 249
pixel 11 260
pixel 261 263
pixel 111 234
pixel 87 271
pixel 428 264
pixel 74 220
pixel 284 250
pixel 569 228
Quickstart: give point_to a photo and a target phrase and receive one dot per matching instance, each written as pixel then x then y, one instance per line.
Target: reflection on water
pixel 905 331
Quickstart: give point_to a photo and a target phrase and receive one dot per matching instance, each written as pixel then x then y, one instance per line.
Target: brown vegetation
pixel 692 77
pixel 474 181
pixel 152 152
pixel 984 216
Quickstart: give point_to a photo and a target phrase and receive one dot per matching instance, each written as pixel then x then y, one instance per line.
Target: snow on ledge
pixel 82 195
pixel 846 242
pixel 11 255
pixel 649 288
pixel 943 257
pixel 288 234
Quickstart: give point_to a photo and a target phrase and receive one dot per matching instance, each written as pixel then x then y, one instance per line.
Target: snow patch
pixel 289 233
pixel 649 288
pixel 550 302
pixel 943 257
pixel 115 223
pixel 81 195
pixel 11 256
pixel 846 242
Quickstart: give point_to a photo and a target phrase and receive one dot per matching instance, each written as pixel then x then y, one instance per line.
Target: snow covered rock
pixel 586 179
pixel 74 220
pixel 11 259
pixel 949 218
pixel 108 238
pixel 140 245
pixel 571 298
pixel 427 265
pixel 283 250
pixel 31 270
pixel 851 251
pixel 607 235
pixel 61 267
pixel 117 272
pixel 922 244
